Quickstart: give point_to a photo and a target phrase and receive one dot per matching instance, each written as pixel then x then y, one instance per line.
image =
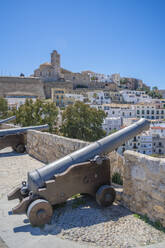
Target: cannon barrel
pixel 21 130
pixel 37 178
pixel 7 119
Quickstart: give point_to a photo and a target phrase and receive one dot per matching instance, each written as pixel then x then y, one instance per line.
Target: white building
pixel 76 97
pixel 111 124
pixel 115 78
pixel 133 96
pixel 157 130
pixel 141 143
pixel 16 99
pixel 119 110
pixel 98 97
pixel 149 111
pixel 99 77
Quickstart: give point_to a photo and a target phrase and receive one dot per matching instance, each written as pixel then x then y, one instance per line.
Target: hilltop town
pixel 124 100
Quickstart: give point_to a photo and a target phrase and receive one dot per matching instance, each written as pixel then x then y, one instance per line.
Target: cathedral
pixel 50 71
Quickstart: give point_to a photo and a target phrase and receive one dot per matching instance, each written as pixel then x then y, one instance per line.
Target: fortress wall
pixel 49 147
pixel 21 84
pixel 58 84
pixel 144 185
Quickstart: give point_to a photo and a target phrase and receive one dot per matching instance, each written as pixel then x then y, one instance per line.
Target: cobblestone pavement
pixel 81 219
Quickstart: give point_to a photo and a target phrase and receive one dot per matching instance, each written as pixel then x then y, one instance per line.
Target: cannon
pixel 84 171
pixel 7 119
pixel 16 137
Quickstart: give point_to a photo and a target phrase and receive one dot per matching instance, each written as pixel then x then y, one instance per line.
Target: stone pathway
pixel 80 220
pixel 14 168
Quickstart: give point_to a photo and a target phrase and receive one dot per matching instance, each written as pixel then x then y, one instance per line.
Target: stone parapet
pixel 49 147
pixel 144 185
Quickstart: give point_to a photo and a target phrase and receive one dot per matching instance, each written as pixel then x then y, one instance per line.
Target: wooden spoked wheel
pixel 105 195
pixel 39 212
pixel 20 148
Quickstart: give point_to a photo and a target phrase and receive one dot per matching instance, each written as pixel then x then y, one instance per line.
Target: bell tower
pixel 55 60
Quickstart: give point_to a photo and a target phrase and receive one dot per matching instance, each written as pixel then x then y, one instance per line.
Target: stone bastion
pixel 143 176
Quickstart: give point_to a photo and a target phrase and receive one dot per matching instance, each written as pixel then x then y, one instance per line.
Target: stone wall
pixel 144 185
pixel 117 163
pixel 58 84
pixel 21 84
pixel 7 126
pixel 48 147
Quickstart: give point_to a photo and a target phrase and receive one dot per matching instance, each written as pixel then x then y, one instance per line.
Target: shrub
pixel 116 178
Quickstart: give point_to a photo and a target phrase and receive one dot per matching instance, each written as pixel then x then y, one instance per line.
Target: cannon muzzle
pixel 37 178
pixel 7 119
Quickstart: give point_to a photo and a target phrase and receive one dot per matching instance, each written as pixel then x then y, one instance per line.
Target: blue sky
pixel 106 36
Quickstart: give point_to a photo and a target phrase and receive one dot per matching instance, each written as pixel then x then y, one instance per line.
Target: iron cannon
pixel 7 119
pixel 84 171
pixel 16 137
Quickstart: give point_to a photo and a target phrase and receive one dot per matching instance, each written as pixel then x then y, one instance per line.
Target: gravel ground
pixel 114 226
pixel 81 220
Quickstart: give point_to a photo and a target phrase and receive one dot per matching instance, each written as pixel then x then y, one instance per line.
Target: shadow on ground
pixel 68 216
pixel 10 154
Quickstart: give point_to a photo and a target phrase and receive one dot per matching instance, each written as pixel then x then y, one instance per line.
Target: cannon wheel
pixel 105 195
pixel 39 212
pixel 20 148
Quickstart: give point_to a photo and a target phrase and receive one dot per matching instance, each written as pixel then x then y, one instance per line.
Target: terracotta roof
pixel 45 64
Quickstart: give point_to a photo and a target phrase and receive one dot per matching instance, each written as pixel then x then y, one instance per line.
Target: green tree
pixel 37 113
pixel 155 88
pixel 3 108
pixel 155 94
pixel 80 121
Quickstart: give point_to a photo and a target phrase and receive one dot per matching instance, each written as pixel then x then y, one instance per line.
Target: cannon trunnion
pixel 91 178
pixel 84 171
